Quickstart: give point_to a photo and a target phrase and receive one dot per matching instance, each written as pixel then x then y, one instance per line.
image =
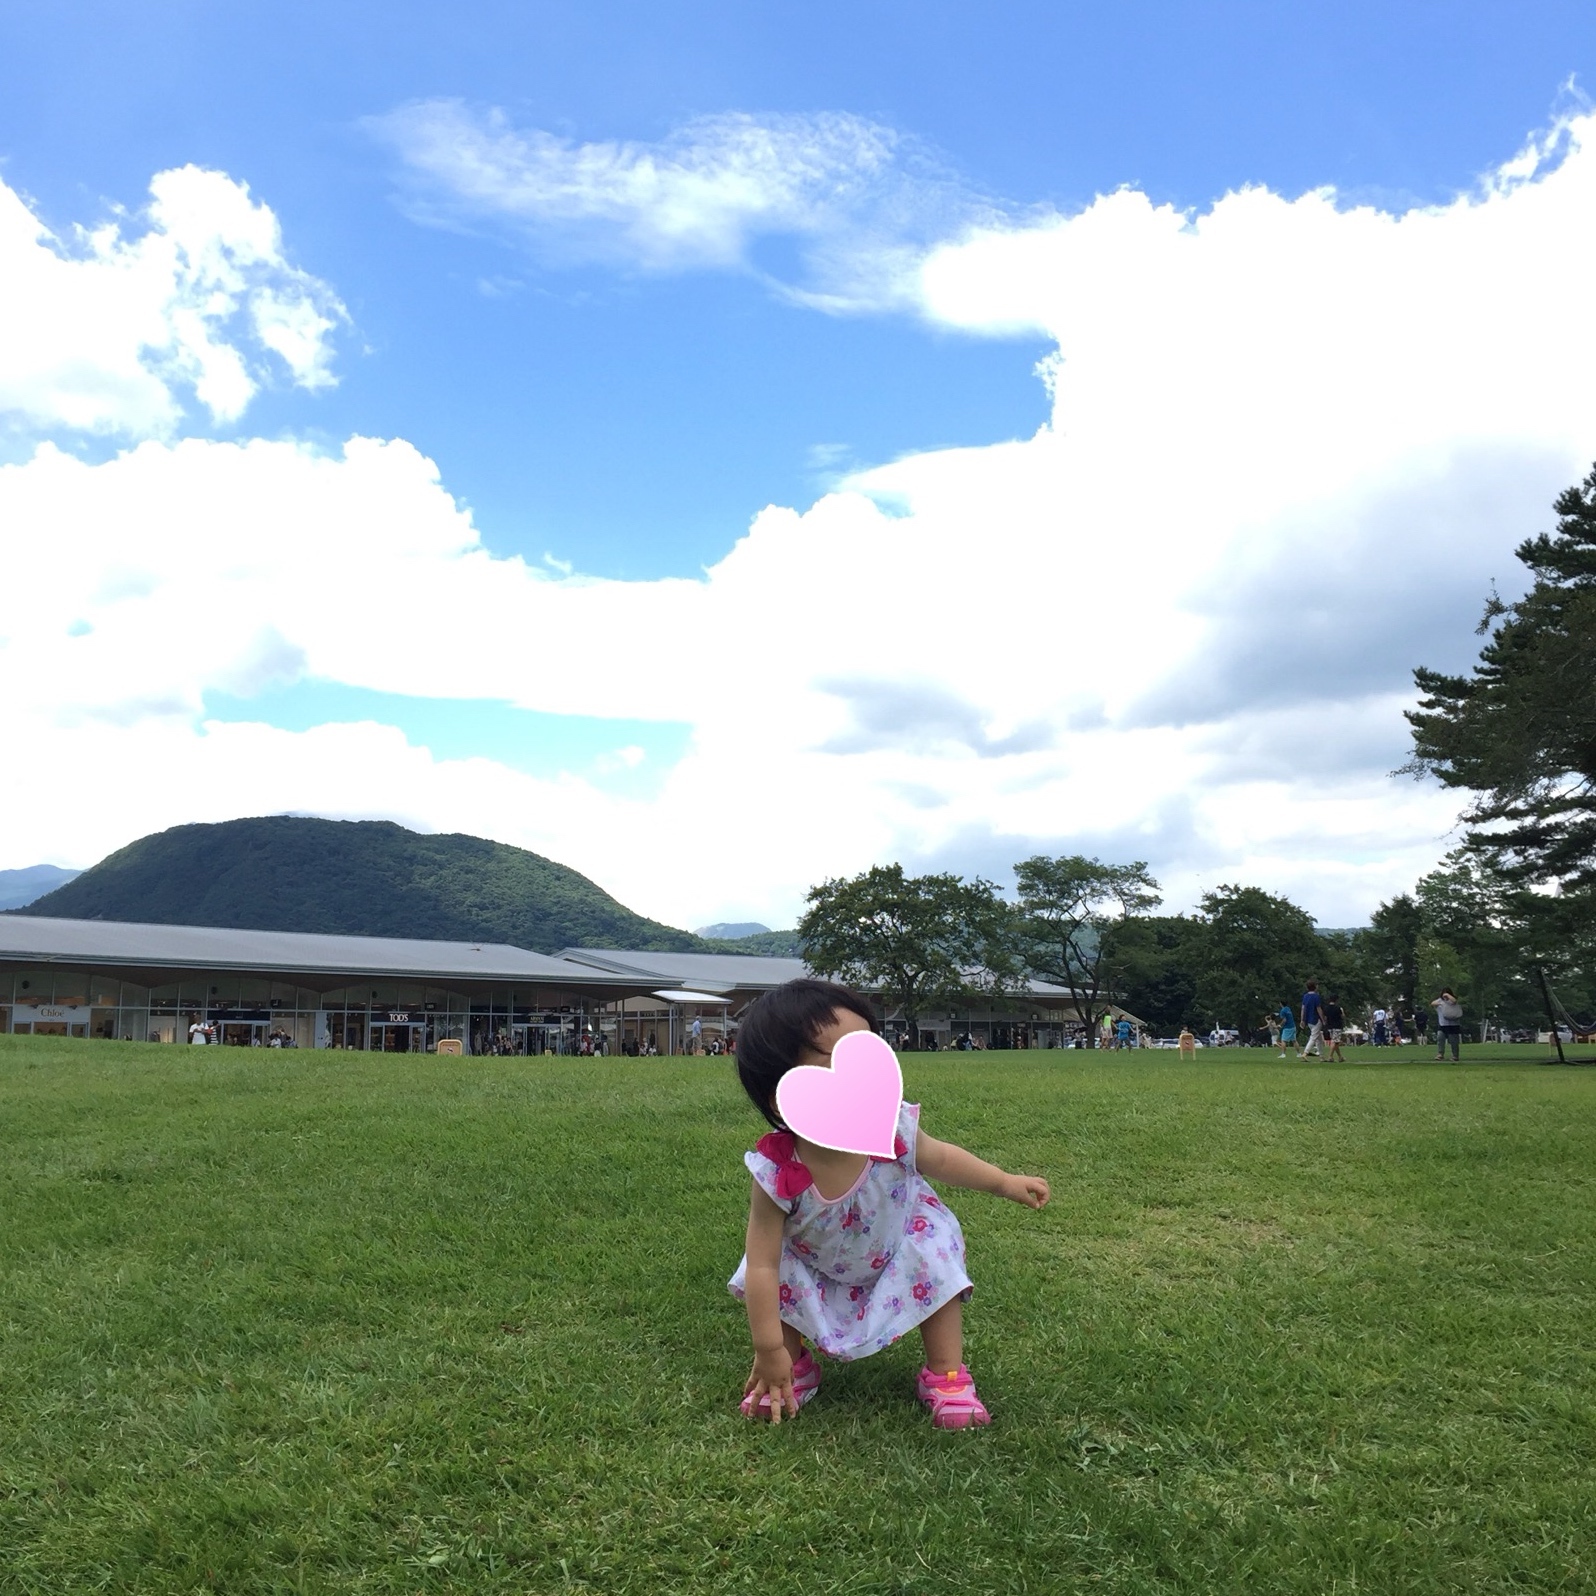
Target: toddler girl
pixel 849 1251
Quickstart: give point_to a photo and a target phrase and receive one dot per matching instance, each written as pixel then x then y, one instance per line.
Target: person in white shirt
pixel 1449 1023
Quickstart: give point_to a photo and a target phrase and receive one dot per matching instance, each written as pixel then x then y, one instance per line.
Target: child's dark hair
pixel 779 1025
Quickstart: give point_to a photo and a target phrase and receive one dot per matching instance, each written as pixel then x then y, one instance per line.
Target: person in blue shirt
pixel 1312 1021
pixel 1122 1034
pixel 1288 1028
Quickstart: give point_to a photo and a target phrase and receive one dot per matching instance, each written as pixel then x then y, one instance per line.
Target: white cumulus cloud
pixel 1291 445
pixel 108 329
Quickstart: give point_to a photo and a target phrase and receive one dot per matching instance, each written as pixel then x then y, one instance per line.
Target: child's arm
pixel 772 1372
pixel 953 1165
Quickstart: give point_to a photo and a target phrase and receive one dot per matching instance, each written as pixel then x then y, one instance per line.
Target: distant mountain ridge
pixel 21 887
pixel 356 878
pixel 766 944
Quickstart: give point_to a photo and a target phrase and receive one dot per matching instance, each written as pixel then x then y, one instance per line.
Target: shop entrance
pixel 398 1036
pixel 346 1031
pixel 241 1033
pixel 535 1039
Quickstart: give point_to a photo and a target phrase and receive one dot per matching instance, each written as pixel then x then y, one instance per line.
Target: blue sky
pixel 729 392
pixel 625 417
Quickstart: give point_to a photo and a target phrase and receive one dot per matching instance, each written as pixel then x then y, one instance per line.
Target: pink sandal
pixel 952 1400
pixel 805 1385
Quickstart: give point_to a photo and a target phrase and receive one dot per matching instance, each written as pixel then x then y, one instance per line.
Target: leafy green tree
pixel 1350 969
pixel 1066 910
pixel 923 942
pixel 1156 958
pixel 1443 968
pixel 1392 941
pixel 1479 939
pixel 1519 732
pixel 1258 952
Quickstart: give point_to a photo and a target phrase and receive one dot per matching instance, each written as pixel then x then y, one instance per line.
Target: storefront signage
pixel 51 1014
pixel 398 1017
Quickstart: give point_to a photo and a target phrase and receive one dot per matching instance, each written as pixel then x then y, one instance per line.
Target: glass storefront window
pixel 347 1030
pixel 360 1016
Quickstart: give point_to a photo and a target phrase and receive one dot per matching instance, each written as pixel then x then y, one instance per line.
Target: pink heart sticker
pixel 851 1107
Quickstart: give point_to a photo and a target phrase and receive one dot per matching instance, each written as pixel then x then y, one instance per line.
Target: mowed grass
pixel 298 1321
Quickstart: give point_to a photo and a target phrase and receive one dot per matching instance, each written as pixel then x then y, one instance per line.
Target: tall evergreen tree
pixel 1519 732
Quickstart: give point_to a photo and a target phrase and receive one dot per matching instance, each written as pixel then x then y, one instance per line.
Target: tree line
pixel 939 943
pixel 1508 920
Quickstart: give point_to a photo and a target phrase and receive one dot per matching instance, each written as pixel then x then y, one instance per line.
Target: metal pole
pixel 1546 997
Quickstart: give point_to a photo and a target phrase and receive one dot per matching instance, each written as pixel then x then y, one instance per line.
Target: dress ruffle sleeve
pixel 784 1177
pixel 908 1134
pixel 768 1177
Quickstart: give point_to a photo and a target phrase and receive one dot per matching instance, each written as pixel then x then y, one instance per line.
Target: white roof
pixel 327 960
pixel 130 945
pixel 704 972
pixel 741 972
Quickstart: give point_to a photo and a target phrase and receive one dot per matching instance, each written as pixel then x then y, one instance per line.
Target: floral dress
pixel 864 1268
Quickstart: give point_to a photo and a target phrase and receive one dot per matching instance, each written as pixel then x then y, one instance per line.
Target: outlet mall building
pixel 127 982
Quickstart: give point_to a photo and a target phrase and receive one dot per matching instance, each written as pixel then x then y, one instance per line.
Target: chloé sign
pixel 51 1014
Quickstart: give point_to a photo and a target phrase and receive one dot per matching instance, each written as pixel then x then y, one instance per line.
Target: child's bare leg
pixel 943 1334
pixel 792 1341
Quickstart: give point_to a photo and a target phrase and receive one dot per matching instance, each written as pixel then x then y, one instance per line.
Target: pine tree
pixel 1519 732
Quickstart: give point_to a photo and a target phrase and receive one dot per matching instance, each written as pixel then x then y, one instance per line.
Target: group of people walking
pixel 1323 1020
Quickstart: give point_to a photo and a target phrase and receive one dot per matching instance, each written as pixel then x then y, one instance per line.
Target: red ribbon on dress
pixel 792 1174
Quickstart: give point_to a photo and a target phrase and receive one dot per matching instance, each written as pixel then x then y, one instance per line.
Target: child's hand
pixel 1031 1190
pixel 772 1377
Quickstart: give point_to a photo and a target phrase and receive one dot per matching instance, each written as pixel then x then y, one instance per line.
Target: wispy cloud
pixel 862 200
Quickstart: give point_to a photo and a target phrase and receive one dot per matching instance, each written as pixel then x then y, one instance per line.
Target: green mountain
pixel 355 878
pixel 769 944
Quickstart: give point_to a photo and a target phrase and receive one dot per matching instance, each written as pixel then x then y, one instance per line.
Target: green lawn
pixel 289 1321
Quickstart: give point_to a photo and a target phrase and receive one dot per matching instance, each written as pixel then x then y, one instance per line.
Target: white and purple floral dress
pixel 863 1269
